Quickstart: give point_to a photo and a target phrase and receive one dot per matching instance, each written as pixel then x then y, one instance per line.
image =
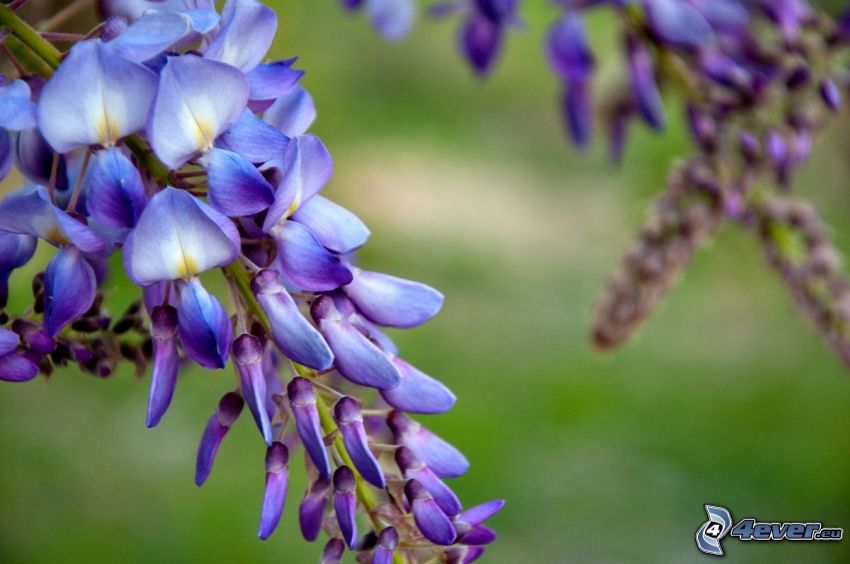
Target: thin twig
pixel 64 15
pixel 75 195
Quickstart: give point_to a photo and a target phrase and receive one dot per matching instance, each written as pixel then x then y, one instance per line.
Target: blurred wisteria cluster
pixel 756 80
pixel 164 144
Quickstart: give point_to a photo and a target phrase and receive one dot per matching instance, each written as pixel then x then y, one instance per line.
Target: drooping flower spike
pixel 168 138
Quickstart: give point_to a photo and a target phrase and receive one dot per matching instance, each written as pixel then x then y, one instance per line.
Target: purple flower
pixel 350 424
pixel 166 362
pixel 387 545
pixel 345 504
pixel 312 509
pixel 14 367
pixel 248 357
pixel 302 400
pixel 277 477
pixel 644 86
pixel 430 519
pixel 228 410
pixel 441 457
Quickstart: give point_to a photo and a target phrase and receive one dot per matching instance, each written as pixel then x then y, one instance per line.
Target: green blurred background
pixel 725 397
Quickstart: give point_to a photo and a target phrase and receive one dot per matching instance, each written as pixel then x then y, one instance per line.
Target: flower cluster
pixel 758 79
pixel 165 137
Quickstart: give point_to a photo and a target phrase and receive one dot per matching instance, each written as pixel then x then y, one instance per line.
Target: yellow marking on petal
pixel 293 207
pixel 188 268
pixel 107 130
pixel 54 235
pixel 204 133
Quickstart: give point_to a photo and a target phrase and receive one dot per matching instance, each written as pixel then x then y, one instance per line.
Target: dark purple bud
pixel 277 476
pixel 228 410
pixel 387 544
pixel 830 94
pixel 33 337
pixel 345 504
pixel 477 536
pixel 166 361
pixel 777 151
pixel 350 424
pixel 302 400
pixel 333 551
pixel 356 357
pixel 34 158
pixel 312 509
pixel 441 457
pixel 292 333
pixel 463 554
pixel 413 469
pixel 644 87
pixel 417 392
pixel 750 147
pixel 798 78
pixel 480 42
pixel 430 519
pixel 248 356
pixel 703 127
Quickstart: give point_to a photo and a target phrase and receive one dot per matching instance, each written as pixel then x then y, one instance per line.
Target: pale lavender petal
pixel 94 97
pixel 236 187
pixel 254 139
pixel 305 262
pixel 271 80
pixel 247 32
pixel 336 228
pixel 17 111
pixel 293 113
pixel 392 301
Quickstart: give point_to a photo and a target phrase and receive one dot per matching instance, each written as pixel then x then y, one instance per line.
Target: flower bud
pixel 345 504
pixel 350 423
pixel 429 518
pixel 228 410
pixel 302 400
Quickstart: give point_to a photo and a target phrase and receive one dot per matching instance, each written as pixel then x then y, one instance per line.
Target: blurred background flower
pixel 725 397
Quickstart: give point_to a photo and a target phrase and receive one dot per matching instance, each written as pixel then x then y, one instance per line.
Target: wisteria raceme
pixel 758 80
pixel 165 137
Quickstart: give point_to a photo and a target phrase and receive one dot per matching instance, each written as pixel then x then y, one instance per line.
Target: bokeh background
pixel 725 397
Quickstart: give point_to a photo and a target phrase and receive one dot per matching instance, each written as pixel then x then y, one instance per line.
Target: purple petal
pixel 480 513
pixel 677 23
pixel 95 97
pixel 307 167
pixel 228 410
pixel 392 18
pixel 248 357
pixel 336 228
pixel 413 469
pixel 387 544
pixel 178 239
pixel 197 100
pixel 8 341
pixel 30 212
pixel 254 139
pixel 292 333
pixel 292 113
pixel 302 400
pixel 578 110
pixel 205 329
pixel 116 194
pixel 17 111
pixel 15 251
pixel 430 519
pixel 166 361
pixel 274 498
pixel 441 457
pixel 643 83
pixel 417 392
pixel 568 48
pixel 356 357
pixel 332 553
pixel 247 32
pixel 480 42
pixel 345 504
pixel 312 509
pixel 271 80
pixel 478 535
pixel 391 301
pixel 350 424
pixel 16 368
pixel 34 159
pixel 151 34
pixel 831 94
pixel 69 289
pixel 236 187
pixel 305 262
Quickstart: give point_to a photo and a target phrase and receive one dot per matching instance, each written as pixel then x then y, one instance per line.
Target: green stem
pixel 30 37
